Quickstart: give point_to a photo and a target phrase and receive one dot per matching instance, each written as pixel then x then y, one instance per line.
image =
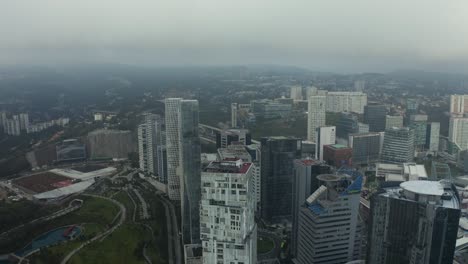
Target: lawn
pixel 264 245
pixel 122 246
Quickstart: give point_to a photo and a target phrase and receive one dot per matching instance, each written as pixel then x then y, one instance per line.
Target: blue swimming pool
pixel 50 238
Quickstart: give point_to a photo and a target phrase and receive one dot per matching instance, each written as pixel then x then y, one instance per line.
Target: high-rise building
pixel 338 155
pixel 3 120
pixel 458 132
pixel 412 105
pixel 296 92
pixel 13 127
pixel 459 104
pixel 316 115
pixel 374 115
pixel 414 222
pixel 419 124
pixel 227 137
pixel 228 229
pixel 234 115
pixel 325 135
pixel 269 109
pixel 366 147
pixel 329 228
pixel 432 136
pixel 147 133
pixel 24 121
pixel 190 170
pixel 393 121
pixel 172 108
pixel 398 145
pixel 310 91
pixel 304 184
pixel 346 102
pixel 347 124
pixel 277 163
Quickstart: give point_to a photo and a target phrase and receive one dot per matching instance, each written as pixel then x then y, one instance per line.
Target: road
pixel 272 256
pixel 173 232
pixel 123 216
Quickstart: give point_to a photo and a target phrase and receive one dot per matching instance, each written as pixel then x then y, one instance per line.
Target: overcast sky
pixel 335 35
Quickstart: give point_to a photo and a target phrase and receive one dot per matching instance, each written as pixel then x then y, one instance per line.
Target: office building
pixel 228 229
pixel 398 145
pixel 316 115
pixel 325 135
pixel 432 136
pixel 277 163
pixel 393 121
pixel 190 170
pixel 172 108
pixel 363 128
pixel 459 104
pixel 147 147
pixel 440 171
pixel 374 116
pixel 296 92
pixel 110 143
pixel 337 155
pixel 70 150
pixel 419 124
pixel 458 132
pixel 227 137
pixel 269 109
pixel 347 124
pixel 412 106
pixel 329 228
pixel 304 184
pixel 414 222
pixel 366 147
pixel 234 115
pixel 193 254
pixel 346 102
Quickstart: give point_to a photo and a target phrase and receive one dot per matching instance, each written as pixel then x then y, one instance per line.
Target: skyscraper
pixel 228 229
pixel 432 136
pixel 459 104
pixel 277 163
pixel 374 115
pixel 414 222
pixel 24 121
pixel 234 115
pixel 304 184
pixel 325 135
pixel 296 92
pixel 172 106
pixel 147 133
pixel 419 124
pixel 226 137
pixel 458 132
pixel 366 147
pixel 190 170
pixel 347 124
pixel 329 228
pixel 398 145
pixel 316 115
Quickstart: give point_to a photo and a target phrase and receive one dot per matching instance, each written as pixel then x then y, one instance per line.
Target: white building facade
pixel 172 108
pixel 227 224
pixel 316 115
pixel 338 102
pixel 325 135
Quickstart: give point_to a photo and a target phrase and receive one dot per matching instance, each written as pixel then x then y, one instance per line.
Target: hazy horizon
pixel 352 36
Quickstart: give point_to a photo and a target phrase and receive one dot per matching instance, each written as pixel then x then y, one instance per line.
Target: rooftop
pixel 337 146
pixel 423 187
pixel 308 162
pixel 228 166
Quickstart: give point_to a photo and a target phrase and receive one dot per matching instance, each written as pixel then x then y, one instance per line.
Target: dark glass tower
pixel 277 168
